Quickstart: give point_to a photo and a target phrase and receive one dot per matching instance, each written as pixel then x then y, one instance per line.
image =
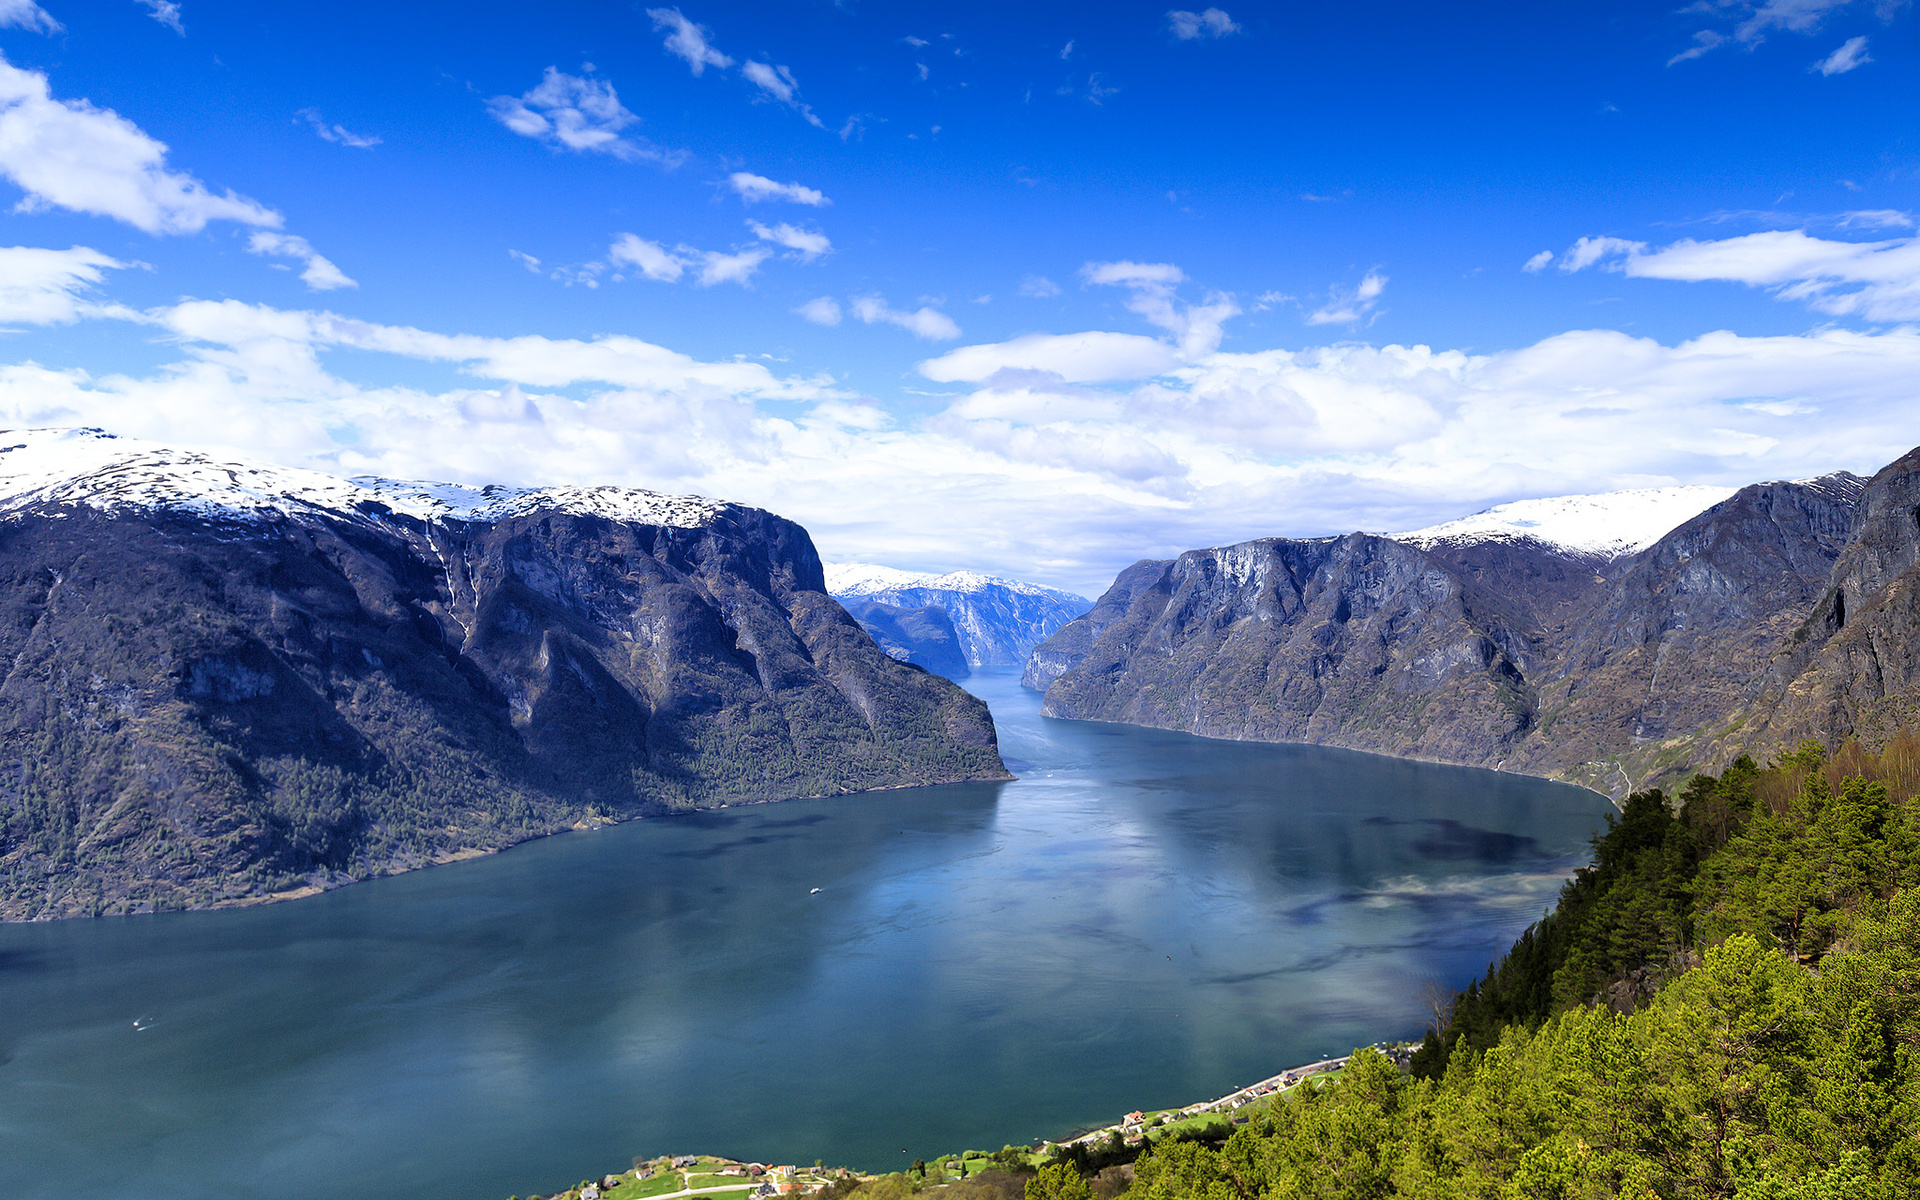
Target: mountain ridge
pixel 1481 642
pixel 227 681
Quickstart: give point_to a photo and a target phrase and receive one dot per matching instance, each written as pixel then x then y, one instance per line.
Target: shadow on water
pixel 1142 918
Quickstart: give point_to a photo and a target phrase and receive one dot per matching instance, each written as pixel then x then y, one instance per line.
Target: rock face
pixel 226 681
pixel 1613 658
pixel 924 637
pixel 1854 665
pixel 999 621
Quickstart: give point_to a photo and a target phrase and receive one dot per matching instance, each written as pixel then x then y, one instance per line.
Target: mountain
pixel 1613 640
pixel 999 621
pixel 225 681
pixel 924 637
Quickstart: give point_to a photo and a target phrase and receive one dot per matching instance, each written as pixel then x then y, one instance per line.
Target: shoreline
pixel 1135 1126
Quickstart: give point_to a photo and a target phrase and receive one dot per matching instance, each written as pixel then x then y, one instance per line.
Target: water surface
pixel 1145 918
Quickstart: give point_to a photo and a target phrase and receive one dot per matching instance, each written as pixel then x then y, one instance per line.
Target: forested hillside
pixel 1726 1003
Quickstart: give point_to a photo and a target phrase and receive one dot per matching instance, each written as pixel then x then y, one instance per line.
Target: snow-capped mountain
pixel 238 679
pixel 99 470
pixel 1607 525
pixel 999 620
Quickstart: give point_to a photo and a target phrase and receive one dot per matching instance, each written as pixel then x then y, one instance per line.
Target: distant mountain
pixel 924 636
pixel 227 680
pixel 1610 639
pixel 999 621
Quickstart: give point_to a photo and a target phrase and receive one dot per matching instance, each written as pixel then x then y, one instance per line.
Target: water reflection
pixel 1143 918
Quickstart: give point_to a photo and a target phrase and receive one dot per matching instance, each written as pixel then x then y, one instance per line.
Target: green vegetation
pixel 1726 1003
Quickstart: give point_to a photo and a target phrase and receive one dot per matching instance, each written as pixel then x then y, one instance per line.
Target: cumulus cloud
pixel 1350 306
pixel 923 322
pixel 716 266
pixel 1055 458
pixel 1096 356
pixel 46 287
pixel 822 310
pixel 1189 26
pixel 583 115
pixel 688 41
pixel 649 258
pixel 1852 53
pixel 1039 287
pixel 70 154
pixel 806 244
pixel 779 84
pixel 1538 262
pixel 1879 281
pixel 752 188
pixel 25 14
pixel 1196 328
pixel 334 132
pixel 167 12
pixel 317 273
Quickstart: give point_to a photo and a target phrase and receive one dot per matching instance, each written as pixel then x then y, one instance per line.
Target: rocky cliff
pixel 1613 659
pixel 226 681
pixel 924 636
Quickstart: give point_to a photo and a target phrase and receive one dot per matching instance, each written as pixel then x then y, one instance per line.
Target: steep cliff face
pixel 225 681
pixel 998 621
pixel 1356 641
pixel 1853 668
pixel 924 636
pixel 1648 675
pixel 1615 660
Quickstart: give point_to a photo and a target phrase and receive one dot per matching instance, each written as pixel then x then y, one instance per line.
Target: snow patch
pixel 95 469
pixel 868 579
pixel 1607 525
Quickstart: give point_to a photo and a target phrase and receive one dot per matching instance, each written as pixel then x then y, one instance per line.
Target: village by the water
pixel 672 1176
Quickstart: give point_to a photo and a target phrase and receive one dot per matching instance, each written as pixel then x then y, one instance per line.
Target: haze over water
pixel 1144 918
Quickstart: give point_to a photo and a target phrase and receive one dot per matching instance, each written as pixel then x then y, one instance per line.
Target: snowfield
pixel 95 469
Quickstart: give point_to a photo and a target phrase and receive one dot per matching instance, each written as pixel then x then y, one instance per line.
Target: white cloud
pixel 336 133
pixel 1095 356
pixel 1879 281
pixel 319 274
pixel 526 260
pixel 45 287
pixel 1196 328
pixel 25 14
pixel 167 12
pixel 738 267
pixel 805 243
pixel 1852 53
pixel 578 114
pixel 687 40
pixel 1703 41
pixel 1039 287
pixel 1793 16
pixel 1538 262
pixel 1589 250
pixel 649 258
pixel 1212 23
pixel 922 322
pixel 822 310
pixel 1025 471
pixel 1348 307
pixel 778 83
pixel 752 188
pixel 69 154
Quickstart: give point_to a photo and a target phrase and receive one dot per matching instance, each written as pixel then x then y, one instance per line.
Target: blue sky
pixel 1031 289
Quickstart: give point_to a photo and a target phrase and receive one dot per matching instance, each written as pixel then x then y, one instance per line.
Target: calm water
pixel 1144 918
